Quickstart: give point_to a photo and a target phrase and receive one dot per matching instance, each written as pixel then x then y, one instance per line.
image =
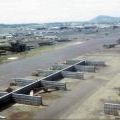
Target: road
pixel 25 67
pixel 63 107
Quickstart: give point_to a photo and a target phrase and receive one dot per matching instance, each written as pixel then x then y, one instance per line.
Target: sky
pixel 42 11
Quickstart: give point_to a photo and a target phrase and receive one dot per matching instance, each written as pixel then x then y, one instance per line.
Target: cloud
pixel 19 11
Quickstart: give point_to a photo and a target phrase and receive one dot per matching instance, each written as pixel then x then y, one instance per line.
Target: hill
pixel 105 19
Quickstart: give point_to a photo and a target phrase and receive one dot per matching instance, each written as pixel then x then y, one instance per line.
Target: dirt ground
pixel 92 107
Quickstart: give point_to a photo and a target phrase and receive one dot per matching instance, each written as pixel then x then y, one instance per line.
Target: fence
pixel 58 67
pixel 10 97
pixel 3 93
pixel 95 63
pixel 27 99
pixel 45 72
pixel 74 75
pixel 111 108
pixel 83 68
pixel 54 85
pixel 69 62
pixel 23 81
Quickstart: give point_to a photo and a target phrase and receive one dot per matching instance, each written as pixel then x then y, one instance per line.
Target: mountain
pixel 105 19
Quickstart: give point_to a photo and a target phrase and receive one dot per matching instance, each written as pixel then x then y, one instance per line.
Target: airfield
pixel 84 98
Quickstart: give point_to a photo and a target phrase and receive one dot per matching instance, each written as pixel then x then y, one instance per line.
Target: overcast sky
pixel 27 11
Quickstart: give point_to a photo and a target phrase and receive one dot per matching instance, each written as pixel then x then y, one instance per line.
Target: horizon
pixel 51 11
pixel 56 21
